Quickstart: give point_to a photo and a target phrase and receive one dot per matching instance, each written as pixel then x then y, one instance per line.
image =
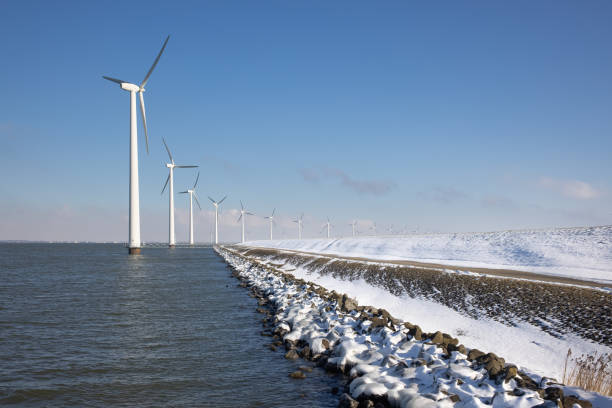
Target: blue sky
pixel 458 116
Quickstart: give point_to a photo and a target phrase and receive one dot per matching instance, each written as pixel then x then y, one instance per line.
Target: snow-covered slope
pixel 584 253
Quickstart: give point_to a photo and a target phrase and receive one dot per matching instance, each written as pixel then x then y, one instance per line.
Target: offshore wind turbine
pixel 299 223
pixel 353 225
pixel 134 203
pixel 217 204
pixel 243 214
pixel 171 166
pixel 192 196
pixel 271 218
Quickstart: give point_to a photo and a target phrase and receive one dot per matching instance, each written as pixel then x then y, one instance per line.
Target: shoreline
pixel 367 344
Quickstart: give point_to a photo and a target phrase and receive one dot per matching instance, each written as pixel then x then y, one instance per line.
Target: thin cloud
pixel 571 188
pixel 444 195
pixel 373 187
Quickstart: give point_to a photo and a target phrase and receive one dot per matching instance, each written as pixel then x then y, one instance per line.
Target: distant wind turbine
pixel 171 166
pixel 299 223
pixel 243 214
pixel 271 218
pixel 328 225
pixel 192 196
pixel 217 204
pixel 134 213
pixel 353 225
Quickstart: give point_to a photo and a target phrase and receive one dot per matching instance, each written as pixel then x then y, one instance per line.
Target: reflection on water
pixel 85 324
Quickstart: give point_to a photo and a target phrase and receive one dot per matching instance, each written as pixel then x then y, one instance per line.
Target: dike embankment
pixel 386 362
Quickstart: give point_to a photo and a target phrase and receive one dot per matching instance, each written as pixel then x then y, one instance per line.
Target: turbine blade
pixel 168 150
pixel 167 180
pixel 144 81
pixel 239 218
pixel 241 206
pixel 144 119
pixel 183 192
pixel 186 167
pixel 223 199
pixel 273 212
pixel 213 201
pixel 250 213
pixel 196 200
pixel 196 182
pixel 114 80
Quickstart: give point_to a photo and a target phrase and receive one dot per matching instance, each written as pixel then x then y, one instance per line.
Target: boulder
pixel 569 402
pixel 437 338
pixel 346 401
pixel 510 372
pixel 292 355
pixel 474 354
pixel 297 375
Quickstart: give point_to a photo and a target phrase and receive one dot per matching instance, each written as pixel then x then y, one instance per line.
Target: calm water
pixel 87 325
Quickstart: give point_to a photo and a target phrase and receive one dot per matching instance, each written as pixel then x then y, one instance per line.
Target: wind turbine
pixel 373 227
pixel 243 214
pixel 192 196
pixel 354 225
pixel 134 204
pixel 271 218
pixel 328 225
pixel 299 223
pixel 217 204
pixel 171 166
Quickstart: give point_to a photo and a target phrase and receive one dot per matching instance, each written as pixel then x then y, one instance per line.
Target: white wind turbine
pixel 192 196
pixel 328 225
pixel 353 225
pixel 271 218
pixel 171 166
pixel 243 214
pixel 134 203
pixel 217 204
pixel 299 223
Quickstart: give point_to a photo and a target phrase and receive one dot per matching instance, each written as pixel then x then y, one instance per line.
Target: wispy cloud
pixel 374 187
pixel 500 202
pixel 444 195
pixel 571 188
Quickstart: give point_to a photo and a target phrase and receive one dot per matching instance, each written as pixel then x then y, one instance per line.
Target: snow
pixel 385 361
pixel 583 253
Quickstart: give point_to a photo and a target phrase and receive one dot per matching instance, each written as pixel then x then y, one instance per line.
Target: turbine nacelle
pixel 126 86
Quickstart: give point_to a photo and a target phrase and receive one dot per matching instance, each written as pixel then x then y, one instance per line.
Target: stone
pixel 305 352
pixel 448 340
pixel 378 322
pixel 568 402
pixel 511 372
pixel 346 401
pixel 298 375
pixel 416 333
pixel 325 344
pixel 366 403
pixel 437 338
pixel 553 393
pixel 454 398
pixel 348 304
pixel 474 354
pixel 292 355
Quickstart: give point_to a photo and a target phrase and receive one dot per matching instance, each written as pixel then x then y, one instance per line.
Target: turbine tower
pixel 192 196
pixel 134 203
pixel 171 166
pixel 299 223
pixel 328 225
pixel 243 214
pixel 353 225
pixel 271 218
pixel 217 204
